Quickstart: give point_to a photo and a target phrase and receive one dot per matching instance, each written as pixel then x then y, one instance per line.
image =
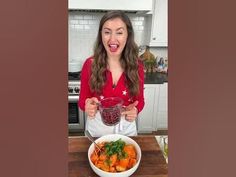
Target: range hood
pixel 105 5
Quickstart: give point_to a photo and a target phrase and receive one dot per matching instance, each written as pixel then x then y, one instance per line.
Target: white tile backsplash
pixel 140 28
pixel 83 28
pixel 88 17
pixel 83 22
pixel 137 23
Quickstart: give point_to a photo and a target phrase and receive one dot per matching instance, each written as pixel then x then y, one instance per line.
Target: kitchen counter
pixel 155 78
pixel 152 162
pixel 149 78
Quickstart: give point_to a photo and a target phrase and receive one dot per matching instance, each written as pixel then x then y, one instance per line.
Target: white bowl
pixel 114 137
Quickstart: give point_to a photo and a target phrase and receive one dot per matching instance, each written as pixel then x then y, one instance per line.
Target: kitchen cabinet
pixel 159 29
pixel 162 109
pixel 154 114
pixel 146 118
pixel 126 5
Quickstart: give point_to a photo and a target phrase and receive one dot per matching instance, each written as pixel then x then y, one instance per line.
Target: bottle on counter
pixel 166 65
pixel 162 65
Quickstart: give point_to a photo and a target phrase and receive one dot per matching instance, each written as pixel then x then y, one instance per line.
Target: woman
pixel 113 71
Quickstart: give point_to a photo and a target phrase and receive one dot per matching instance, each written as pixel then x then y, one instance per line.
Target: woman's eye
pixel 119 33
pixel 106 32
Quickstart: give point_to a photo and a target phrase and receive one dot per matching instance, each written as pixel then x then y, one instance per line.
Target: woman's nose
pixel 113 37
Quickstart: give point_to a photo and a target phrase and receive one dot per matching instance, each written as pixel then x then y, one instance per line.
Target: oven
pixel 76 116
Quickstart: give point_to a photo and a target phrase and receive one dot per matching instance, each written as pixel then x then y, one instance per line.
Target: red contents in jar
pixel 110 110
pixel 111 116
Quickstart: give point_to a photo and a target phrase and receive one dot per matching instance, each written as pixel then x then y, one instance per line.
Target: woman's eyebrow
pixel 121 28
pixel 107 28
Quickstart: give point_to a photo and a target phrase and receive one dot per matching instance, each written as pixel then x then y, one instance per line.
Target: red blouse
pixel 108 91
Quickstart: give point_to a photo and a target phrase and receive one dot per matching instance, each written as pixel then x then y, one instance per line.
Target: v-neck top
pixel 120 90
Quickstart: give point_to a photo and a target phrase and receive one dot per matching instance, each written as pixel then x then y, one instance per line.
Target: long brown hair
pixel 129 57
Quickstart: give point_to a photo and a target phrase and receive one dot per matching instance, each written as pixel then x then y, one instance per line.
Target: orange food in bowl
pixel 130 150
pixel 113 160
pixel 122 158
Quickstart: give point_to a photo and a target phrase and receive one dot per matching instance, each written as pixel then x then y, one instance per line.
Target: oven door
pixel 75 115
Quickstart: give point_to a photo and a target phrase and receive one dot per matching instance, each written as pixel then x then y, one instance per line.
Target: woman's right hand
pixel 91 107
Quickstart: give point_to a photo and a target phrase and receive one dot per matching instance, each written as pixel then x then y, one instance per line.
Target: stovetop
pixel 73 83
pixel 74 76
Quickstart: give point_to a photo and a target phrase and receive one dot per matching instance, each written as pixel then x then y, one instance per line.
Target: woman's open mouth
pixel 113 47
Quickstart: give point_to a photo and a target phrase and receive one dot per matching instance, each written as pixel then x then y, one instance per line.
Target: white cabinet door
pixel 162 121
pixel 154 115
pixel 162 113
pixel 146 121
pixel 159 32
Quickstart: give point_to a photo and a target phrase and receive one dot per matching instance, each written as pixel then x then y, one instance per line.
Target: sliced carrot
pixel 130 150
pixel 124 162
pixel 99 163
pixel 102 157
pixel 113 160
pixel 132 162
pixel 105 167
pixel 120 168
pixel 94 157
pixel 112 169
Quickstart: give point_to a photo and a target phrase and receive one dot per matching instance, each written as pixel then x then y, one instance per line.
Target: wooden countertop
pixel 152 163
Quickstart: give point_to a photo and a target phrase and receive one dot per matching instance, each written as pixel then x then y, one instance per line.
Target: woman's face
pixel 114 36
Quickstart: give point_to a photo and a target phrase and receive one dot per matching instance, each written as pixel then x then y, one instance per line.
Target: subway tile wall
pixel 83 28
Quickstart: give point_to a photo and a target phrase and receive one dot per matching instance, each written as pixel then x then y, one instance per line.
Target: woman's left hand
pixel 131 112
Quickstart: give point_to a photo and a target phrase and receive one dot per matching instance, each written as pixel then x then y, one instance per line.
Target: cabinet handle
pixel 153 38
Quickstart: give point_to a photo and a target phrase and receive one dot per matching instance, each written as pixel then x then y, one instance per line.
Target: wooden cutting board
pixel 152 163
